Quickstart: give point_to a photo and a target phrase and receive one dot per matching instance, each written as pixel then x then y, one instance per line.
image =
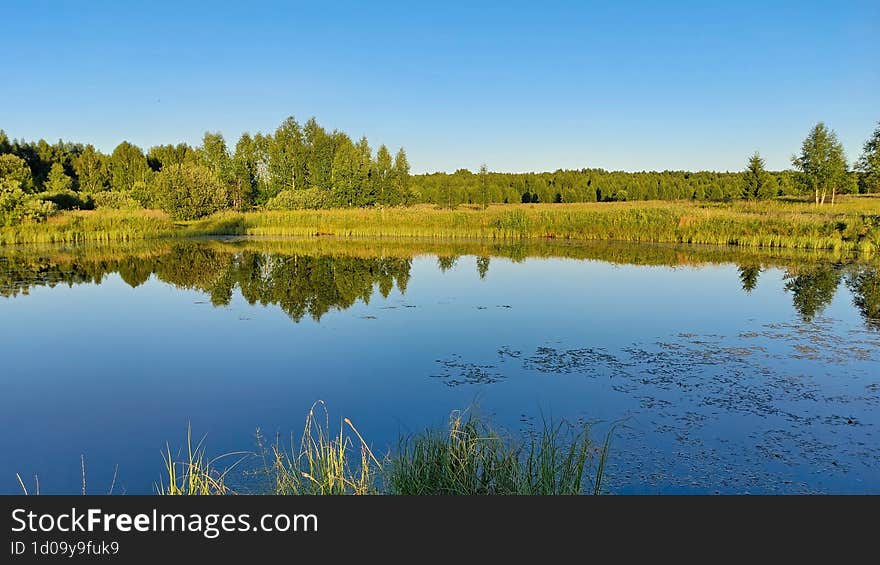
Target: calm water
pixel 730 371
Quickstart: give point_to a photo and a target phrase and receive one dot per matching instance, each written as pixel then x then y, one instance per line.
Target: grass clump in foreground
pixel 195 474
pixel 323 462
pixel 468 457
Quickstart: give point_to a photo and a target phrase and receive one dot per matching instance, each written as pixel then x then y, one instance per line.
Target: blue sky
pixel 519 85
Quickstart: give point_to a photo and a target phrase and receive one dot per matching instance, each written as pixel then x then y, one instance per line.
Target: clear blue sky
pixel 520 85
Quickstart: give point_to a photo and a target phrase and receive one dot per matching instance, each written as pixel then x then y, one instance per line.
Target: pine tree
pixel 748 276
pixel 484 185
pixel 58 181
pixel 754 178
pixel 869 163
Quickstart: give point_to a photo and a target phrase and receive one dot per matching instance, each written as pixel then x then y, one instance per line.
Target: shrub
pixel 189 192
pixel 17 207
pixel 114 200
pixel 69 200
pixel 308 199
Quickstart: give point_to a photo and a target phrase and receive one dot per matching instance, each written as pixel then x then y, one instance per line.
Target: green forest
pixel 304 166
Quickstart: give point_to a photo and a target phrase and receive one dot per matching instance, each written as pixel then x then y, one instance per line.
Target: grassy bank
pixel 104 226
pixel 852 225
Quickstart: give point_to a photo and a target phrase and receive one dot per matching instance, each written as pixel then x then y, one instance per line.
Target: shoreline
pixel 848 227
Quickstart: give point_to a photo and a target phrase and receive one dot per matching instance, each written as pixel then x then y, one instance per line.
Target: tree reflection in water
pixel 311 281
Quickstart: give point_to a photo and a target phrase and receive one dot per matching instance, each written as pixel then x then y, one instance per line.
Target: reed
pixel 851 225
pixel 467 457
pixel 323 462
pixel 106 226
pixel 196 474
pixel 471 458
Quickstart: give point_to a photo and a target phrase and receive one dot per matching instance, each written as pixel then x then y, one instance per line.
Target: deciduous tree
pixel 92 170
pixel 15 171
pixel 822 163
pixel 128 166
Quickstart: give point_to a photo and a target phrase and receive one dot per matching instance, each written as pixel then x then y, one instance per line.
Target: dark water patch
pixel 729 404
pixel 587 360
pixel 455 372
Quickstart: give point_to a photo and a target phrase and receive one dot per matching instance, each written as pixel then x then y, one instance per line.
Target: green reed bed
pixel 852 225
pixel 468 457
pixel 848 228
pixel 111 226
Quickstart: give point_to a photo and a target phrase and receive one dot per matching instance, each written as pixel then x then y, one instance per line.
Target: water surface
pixel 731 371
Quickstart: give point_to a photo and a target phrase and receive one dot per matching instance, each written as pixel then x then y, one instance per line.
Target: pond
pixel 720 370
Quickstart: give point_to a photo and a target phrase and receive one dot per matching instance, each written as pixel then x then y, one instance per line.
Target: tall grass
pixel 106 226
pixel 468 457
pixel 851 225
pixel 82 459
pixel 196 474
pixel 322 464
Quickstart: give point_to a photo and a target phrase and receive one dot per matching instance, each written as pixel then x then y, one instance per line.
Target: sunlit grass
pixel 109 226
pixel 851 225
pixel 471 458
pixel 195 473
pixel 467 457
pixel 324 463
pixel 848 226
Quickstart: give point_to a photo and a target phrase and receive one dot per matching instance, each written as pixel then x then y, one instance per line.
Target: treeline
pixel 584 185
pixel 820 170
pixel 307 167
pixel 298 166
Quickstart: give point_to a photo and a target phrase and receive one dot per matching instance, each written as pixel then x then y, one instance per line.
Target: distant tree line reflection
pixel 312 284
